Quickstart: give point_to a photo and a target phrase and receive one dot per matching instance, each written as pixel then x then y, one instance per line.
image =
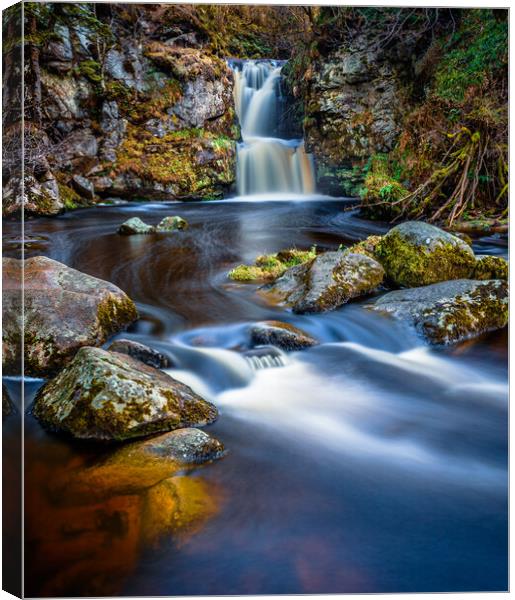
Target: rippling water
pixel 370 463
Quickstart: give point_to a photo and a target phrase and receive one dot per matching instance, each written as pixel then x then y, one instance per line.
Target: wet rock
pixel 135 226
pixel 64 310
pixel 416 253
pixel 451 311
pixel 171 224
pixel 490 267
pixel 282 335
pixel 83 186
pixel 104 395
pixel 328 282
pixel 147 355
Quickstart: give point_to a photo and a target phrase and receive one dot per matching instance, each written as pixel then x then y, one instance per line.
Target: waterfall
pixel 266 163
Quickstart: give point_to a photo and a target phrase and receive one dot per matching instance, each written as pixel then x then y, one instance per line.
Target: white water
pixel 267 164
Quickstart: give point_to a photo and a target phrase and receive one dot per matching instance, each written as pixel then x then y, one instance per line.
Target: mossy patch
pixel 268 267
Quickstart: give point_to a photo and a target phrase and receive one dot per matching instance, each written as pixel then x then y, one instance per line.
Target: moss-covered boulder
pixel 367 246
pixel 145 354
pixel 450 311
pixel 282 335
pixel 135 226
pixel 268 267
pixel 174 223
pixel 490 267
pixel 64 310
pixel 104 395
pixel 329 281
pixel 416 253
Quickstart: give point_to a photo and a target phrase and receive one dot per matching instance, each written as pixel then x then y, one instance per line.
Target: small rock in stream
pixel 135 226
pixel 282 335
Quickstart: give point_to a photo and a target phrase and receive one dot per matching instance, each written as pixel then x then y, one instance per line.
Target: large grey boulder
pixel 64 310
pixel 104 395
pixel 451 311
pixel 416 253
pixel 326 283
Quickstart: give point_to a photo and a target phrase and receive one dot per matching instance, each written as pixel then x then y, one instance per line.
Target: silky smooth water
pixel 371 463
pixel 265 162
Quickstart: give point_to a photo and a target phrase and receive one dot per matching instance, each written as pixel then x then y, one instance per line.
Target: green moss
pixel 91 69
pixel 411 265
pixel 490 267
pixel 69 197
pixel 268 267
pixel 366 247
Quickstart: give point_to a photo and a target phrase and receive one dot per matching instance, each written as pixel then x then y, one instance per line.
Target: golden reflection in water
pixel 86 526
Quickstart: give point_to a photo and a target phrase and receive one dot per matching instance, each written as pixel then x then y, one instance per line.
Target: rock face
pixel 282 335
pixel 109 396
pixel 451 311
pixel 147 355
pixel 416 253
pixel 135 226
pixel 150 117
pixel 64 310
pixel 490 267
pixel 328 282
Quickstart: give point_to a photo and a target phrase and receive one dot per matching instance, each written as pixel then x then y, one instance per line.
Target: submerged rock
pixel 64 310
pixel 172 224
pixel 328 282
pixel 141 464
pixel 416 253
pixel 147 355
pixel 490 267
pixel 282 335
pixel 135 226
pixel 109 396
pixel 451 311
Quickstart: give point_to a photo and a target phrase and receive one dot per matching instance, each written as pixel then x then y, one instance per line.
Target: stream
pixel 369 463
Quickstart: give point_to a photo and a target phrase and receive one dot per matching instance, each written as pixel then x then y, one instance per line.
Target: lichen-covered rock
pixel 282 335
pixel 64 310
pixel 147 355
pixel 40 197
pixel 416 253
pixel 450 311
pixel 329 281
pixel 171 224
pixel 104 395
pixel 367 246
pixel 135 226
pixel 490 267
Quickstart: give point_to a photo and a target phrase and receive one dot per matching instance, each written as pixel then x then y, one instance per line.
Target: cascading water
pixel 267 163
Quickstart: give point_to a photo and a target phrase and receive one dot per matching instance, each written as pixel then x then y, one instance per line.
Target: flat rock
pixel 282 335
pixel 452 311
pixel 416 254
pixel 64 310
pixel 104 395
pixel 326 283
pixel 147 355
